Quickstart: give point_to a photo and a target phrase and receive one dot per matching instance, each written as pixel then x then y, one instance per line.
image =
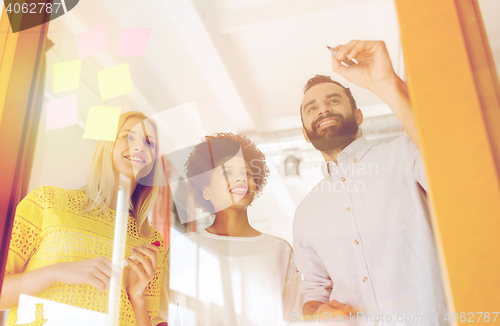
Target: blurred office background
pixel 244 63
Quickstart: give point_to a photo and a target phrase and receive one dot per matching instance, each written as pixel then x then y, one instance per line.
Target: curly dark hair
pixel 216 149
pixel 320 79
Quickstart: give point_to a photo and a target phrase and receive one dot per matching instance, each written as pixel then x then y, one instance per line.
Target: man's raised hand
pixel 373 68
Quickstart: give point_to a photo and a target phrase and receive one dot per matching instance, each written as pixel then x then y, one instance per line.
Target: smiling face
pixel 134 151
pixel 328 120
pixel 231 185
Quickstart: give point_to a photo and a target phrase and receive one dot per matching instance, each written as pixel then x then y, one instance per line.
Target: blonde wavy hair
pixel 101 183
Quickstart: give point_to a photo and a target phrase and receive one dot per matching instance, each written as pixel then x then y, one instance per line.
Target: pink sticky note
pixel 62 112
pixel 133 42
pixel 92 41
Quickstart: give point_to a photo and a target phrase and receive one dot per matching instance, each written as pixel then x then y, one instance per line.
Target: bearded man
pixel 363 236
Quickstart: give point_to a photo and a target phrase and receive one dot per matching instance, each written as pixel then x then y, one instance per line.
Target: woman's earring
pixel 206 195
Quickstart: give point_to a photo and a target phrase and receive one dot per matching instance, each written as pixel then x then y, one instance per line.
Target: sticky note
pixel 180 127
pixel 102 123
pixel 66 75
pixel 93 41
pixel 133 42
pixel 61 113
pixel 114 81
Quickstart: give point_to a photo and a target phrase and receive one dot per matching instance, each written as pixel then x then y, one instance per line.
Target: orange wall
pixel 464 185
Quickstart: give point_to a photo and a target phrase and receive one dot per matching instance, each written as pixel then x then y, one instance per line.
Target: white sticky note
pixel 93 41
pixel 102 123
pixel 66 75
pixel 114 81
pixel 61 113
pixel 133 42
pixel 180 127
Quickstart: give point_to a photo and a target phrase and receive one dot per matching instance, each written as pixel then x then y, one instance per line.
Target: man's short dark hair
pixel 217 148
pixel 320 79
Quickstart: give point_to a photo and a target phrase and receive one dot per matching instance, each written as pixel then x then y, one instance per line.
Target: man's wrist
pixel 387 87
pixel 394 93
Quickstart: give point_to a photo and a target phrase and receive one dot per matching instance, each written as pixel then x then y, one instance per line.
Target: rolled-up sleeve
pixel 292 295
pixel 316 285
pixel 414 161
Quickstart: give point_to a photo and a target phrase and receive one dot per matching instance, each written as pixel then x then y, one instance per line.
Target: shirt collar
pixel 354 152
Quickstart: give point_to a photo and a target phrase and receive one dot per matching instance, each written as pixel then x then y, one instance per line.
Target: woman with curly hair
pixel 230 273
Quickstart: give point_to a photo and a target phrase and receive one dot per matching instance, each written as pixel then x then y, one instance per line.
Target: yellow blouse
pixel 49 228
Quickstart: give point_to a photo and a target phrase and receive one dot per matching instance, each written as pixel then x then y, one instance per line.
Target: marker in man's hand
pixel 346 61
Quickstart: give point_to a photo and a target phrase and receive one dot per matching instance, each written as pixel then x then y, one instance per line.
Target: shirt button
pixel 354 160
pixel 356 242
pixel 365 279
pixel 343 179
pixel 348 209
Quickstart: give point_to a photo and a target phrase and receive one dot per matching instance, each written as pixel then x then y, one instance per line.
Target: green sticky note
pixel 102 123
pixel 66 75
pixel 114 81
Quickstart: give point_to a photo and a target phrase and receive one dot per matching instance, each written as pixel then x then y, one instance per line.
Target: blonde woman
pixel 62 240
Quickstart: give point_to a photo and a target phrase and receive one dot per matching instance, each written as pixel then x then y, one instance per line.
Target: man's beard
pixel 335 137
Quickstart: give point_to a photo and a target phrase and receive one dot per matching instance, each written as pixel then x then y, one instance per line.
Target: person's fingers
pixel 360 47
pixel 137 267
pixel 93 281
pixel 335 304
pixel 338 67
pixel 337 312
pixel 340 61
pixel 144 260
pixel 378 44
pixel 105 266
pixel 348 308
pixel 98 279
pixel 344 50
pixel 152 247
pixel 374 48
pixel 150 253
pixel 335 63
pixel 107 262
pixel 328 309
pixel 105 278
